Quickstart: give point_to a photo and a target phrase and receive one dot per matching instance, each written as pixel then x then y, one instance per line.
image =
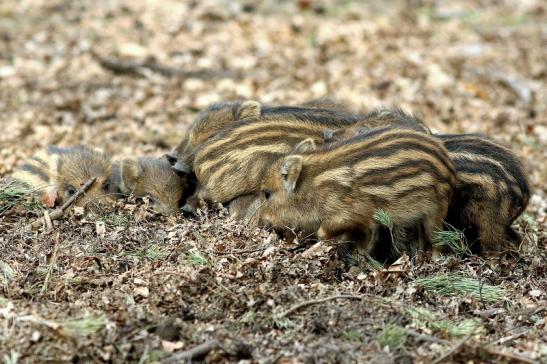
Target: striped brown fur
pixel 245 208
pixel 206 125
pixel 392 117
pixel 216 117
pixel 324 111
pixel 233 162
pixel 336 189
pixel 55 174
pixel 378 118
pixel 286 125
pixel 151 178
pixel 494 191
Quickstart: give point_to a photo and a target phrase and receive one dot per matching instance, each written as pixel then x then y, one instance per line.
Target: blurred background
pixel 128 76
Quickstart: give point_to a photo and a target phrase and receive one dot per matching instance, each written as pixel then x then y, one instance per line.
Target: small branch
pixel 454 350
pixel 47 220
pixel 39 321
pixel 488 312
pixel 531 311
pixel 488 349
pixel 425 337
pixel 512 337
pixel 245 251
pixel 132 68
pixel 194 353
pixel 507 354
pixel 74 197
pixel 321 300
pixel 59 212
pixel 136 69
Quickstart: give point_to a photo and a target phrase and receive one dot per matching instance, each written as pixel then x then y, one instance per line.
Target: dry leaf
pixel 100 228
pixel 171 346
pixel 318 249
pixel 141 291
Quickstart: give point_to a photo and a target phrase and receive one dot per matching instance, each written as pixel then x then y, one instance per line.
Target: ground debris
pixel 126 285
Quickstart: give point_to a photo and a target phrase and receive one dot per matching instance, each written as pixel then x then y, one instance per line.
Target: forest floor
pixel 148 289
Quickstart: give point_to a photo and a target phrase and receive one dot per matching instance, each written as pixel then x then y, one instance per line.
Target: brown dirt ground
pixel 151 286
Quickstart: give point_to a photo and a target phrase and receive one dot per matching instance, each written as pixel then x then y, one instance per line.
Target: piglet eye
pixel 70 190
pixel 267 194
pixel 106 186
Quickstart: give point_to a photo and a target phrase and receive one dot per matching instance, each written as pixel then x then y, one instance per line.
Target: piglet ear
pixel 249 110
pixel 306 145
pixel 171 157
pixel 290 172
pixel 131 173
pixel 50 196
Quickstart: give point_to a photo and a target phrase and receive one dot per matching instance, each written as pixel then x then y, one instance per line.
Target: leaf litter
pixel 126 286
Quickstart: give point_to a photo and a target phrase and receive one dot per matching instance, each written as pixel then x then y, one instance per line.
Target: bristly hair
pixel 327 117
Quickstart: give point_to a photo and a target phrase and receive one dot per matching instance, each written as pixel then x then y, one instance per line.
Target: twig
pixel 39 321
pixel 244 251
pixel 132 68
pixel 454 350
pixel 47 220
pixel 144 356
pixel 50 261
pixel 59 212
pixel 488 349
pixel 507 354
pixel 503 340
pixel 425 337
pixel 488 312
pixel 137 68
pixel 321 300
pixel 232 294
pixel 530 311
pixel 194 353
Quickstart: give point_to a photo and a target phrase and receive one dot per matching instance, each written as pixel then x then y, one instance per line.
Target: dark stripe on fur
pixel 36 171
pixel 378 176
pixel 380 151
pixel 479 145
pixel 293 136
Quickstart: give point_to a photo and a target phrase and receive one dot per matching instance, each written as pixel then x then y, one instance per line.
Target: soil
pixel 128 286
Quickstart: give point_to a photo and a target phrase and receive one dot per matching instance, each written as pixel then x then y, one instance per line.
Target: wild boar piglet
pixel 154 179
pixel 57 173
pixel 378 118
pixel 216 117
pixel 493 191
pixel 337 189
pixel 206 125
pixel 233 162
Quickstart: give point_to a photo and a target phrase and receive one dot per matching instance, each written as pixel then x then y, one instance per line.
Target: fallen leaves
pixel 461 69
